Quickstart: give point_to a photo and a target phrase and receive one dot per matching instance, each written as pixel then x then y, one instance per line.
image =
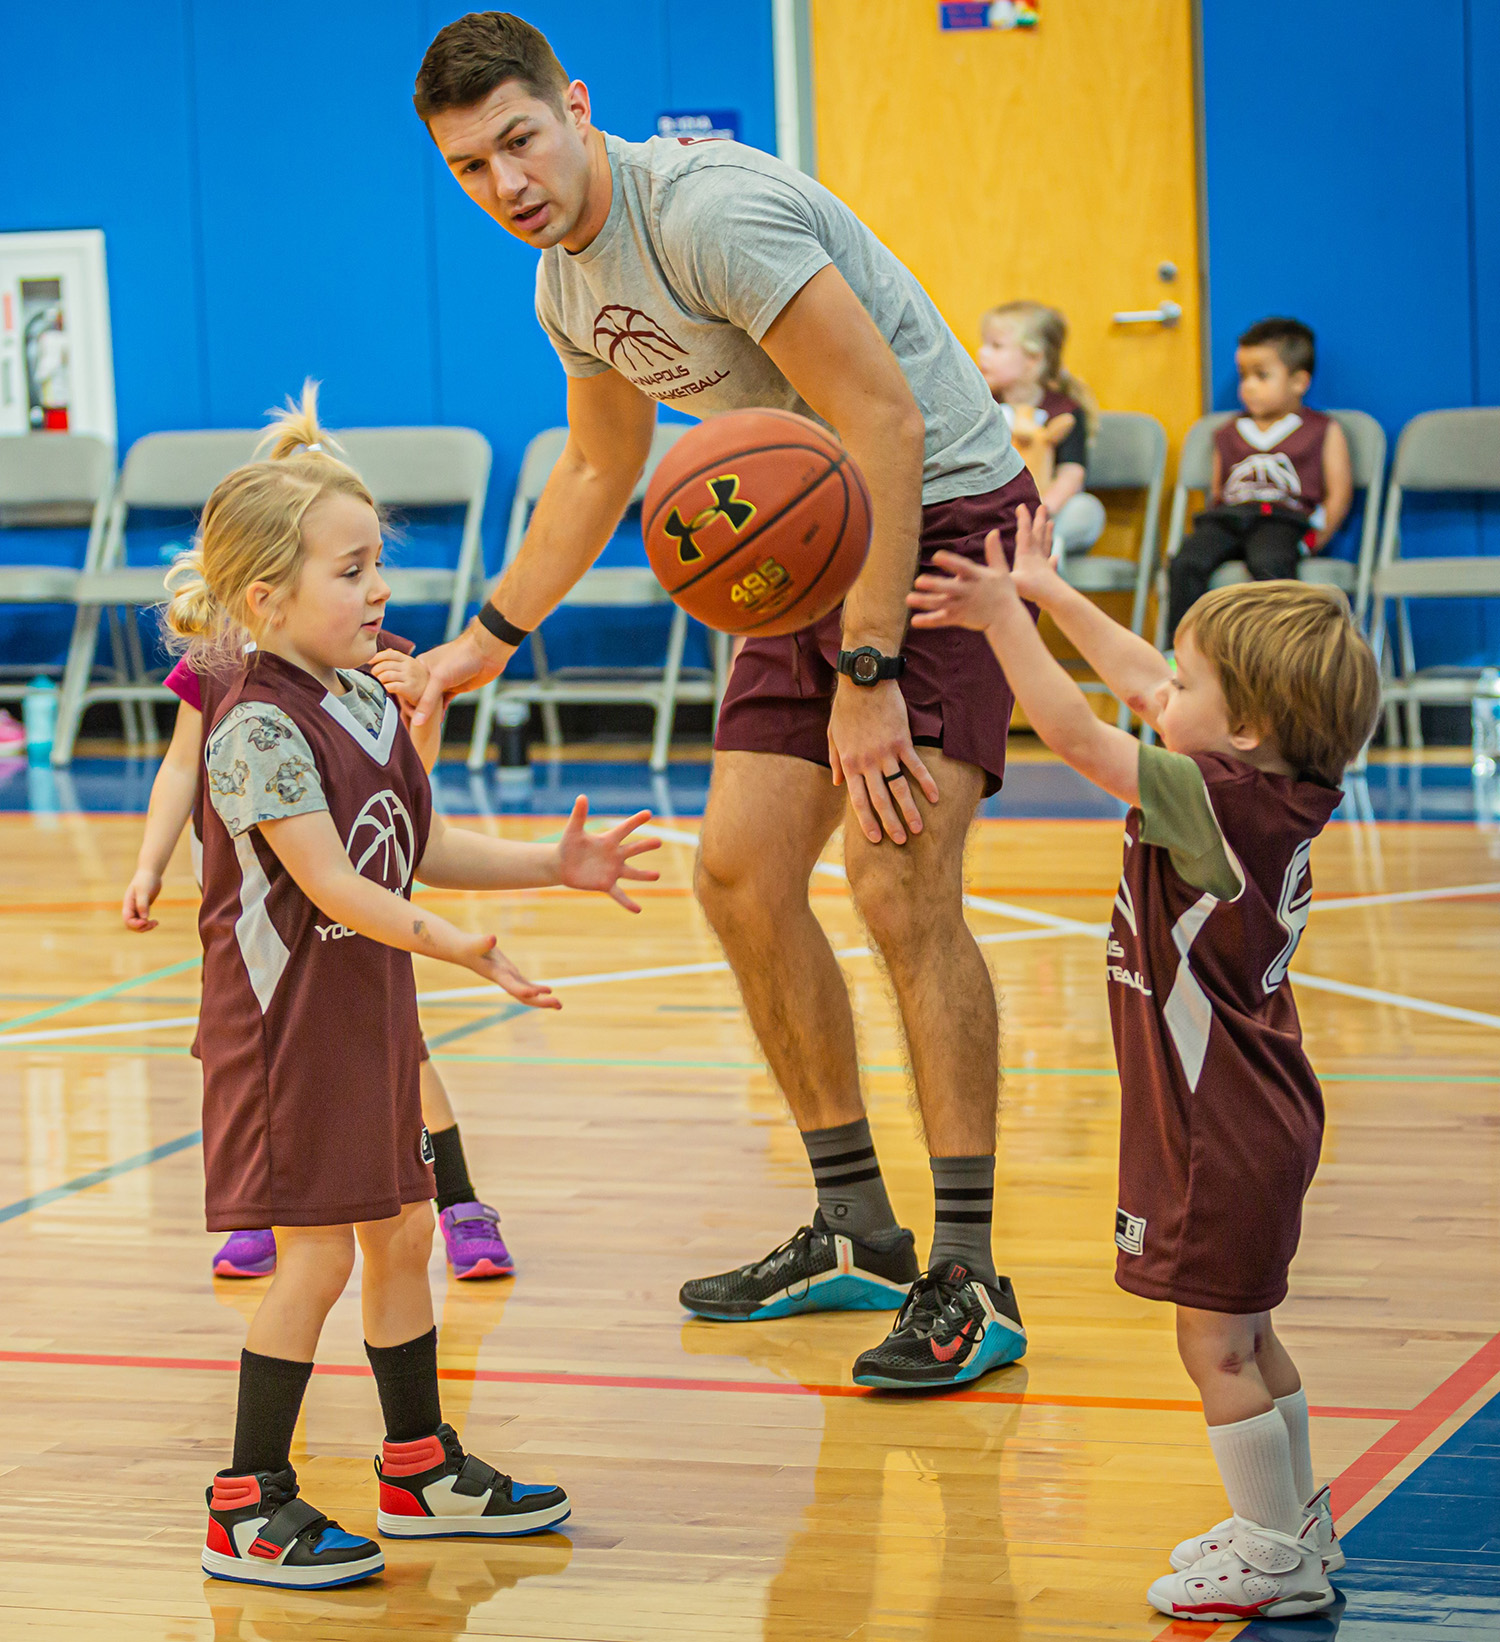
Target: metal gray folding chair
pixel 1455 451
pixel 1195 472
pixel 427 468
pixel 660 688
pixel 172 472
pixel 50 481
pixel 1129 452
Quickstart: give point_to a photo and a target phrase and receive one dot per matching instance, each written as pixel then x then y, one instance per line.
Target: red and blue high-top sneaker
pixel 261 1533
pixel 430 1489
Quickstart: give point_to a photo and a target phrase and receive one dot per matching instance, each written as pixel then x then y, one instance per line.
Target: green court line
pixel 99 997
pixel 742 1065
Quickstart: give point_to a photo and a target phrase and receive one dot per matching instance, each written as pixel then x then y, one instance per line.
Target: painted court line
pixel 114 991
pixel 667 1382
pixel 97 1177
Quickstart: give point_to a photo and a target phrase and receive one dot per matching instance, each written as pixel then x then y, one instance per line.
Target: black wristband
pixel 507 632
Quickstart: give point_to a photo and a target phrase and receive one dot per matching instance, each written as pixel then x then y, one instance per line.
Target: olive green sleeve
pixel 1177 815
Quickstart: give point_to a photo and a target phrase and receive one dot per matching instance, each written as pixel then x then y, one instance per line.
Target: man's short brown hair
pixel 1292 665
pixel 469 58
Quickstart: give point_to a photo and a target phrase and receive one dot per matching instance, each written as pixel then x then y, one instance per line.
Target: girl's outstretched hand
pixel 599 860
pixel 1034 573
pixel 488 962
pixel 971 595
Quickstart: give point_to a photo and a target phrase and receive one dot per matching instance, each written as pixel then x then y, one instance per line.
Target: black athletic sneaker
pixel 814 1270
pixel 952 1328
pixel 261 1533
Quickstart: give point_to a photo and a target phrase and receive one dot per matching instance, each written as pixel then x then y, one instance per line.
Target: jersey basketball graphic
pixel 631 339
pixel 384 839
pixel 726 505
pixel 1292 908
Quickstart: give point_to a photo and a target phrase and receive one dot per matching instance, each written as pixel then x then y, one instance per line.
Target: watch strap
pixel 886 666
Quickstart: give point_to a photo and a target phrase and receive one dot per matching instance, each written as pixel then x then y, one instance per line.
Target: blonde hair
pixel 1043 331
pixel 251 531
pixel 1292 664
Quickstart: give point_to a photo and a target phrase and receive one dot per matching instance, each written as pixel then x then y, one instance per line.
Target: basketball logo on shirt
pixel 384 839
pixel 1292 908
pixel 633 339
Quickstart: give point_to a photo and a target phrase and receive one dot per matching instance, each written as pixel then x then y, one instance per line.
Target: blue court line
pixel 509 1013
pixel 97 1177
pixel 98 997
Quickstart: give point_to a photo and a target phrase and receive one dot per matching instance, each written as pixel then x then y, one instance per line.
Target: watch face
pixel 866 668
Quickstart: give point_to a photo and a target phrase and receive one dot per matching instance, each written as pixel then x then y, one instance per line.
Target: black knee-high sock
pixel 271 1390
pixel 406 1378
pixel 450 1168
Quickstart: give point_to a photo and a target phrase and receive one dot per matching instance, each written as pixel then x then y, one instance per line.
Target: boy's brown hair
pixel 469 58
pixel 1292 665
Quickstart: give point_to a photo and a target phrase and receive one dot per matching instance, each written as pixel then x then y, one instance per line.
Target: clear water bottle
pixel 39 715
pixel 1486 719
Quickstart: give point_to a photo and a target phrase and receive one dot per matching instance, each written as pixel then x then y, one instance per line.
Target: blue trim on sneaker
pixel 840 1291
pixel 1001 1345
pixel 281 1585
pixel 525 1490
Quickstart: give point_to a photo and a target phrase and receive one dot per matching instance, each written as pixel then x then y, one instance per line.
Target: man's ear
pixel 576 104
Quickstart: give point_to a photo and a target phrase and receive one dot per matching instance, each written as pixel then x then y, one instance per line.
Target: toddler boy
pixel 1221 1123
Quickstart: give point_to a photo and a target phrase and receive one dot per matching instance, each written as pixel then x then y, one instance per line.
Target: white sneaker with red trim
pixel 1221 1536
pixel 1261 1575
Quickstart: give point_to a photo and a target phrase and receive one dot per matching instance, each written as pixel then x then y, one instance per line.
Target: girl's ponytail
pixel 295 430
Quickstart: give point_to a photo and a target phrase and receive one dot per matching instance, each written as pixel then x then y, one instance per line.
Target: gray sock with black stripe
pixel 851 1193
pixel 964 1190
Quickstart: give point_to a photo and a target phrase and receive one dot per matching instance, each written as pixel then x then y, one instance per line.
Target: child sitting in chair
pixel 1051 414
pixel 1282 481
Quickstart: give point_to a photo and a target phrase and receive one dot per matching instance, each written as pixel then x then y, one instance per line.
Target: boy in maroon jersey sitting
pixel 1221 1114
pixel 1282 481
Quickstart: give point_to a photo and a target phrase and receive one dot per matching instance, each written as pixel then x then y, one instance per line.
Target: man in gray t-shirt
pixel 713 277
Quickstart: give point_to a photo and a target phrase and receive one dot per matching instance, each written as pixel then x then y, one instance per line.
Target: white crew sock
pixel 1255 1461
pixel 1293 1410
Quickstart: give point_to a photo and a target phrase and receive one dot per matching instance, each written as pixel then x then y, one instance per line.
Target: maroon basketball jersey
pixel 308 1034
pixel 1280 466
pixel 1221 1112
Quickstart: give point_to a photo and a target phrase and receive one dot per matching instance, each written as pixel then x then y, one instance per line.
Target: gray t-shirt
pixel 260 767
pixel 704 245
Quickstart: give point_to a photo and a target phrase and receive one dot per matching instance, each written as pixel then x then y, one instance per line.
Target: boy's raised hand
pixel 972 595
pixel 485 958
pixel 1034 572
pixel 599 860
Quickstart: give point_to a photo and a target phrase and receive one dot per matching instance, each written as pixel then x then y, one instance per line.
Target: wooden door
pixel 1057 164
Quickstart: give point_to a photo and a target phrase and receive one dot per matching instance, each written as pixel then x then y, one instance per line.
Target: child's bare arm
pixel 310 849
pixel 1216 484
pixel 1338 483
pixel 405 678
pixel 1133 669
pixel 166 815
pixel 988 598
pixel 458 859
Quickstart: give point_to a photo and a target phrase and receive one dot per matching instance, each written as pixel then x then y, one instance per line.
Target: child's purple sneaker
pixel 475 1246
pixel 247 1254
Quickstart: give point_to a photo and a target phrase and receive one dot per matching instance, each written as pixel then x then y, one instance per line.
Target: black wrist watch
pixel 866 665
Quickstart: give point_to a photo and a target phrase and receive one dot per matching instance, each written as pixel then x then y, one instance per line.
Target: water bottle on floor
pixel 39 715
pixel 1485 711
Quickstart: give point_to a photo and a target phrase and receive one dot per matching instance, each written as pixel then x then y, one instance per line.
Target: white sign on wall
pixel 56 363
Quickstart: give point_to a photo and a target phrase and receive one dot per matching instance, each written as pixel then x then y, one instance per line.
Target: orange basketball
pixel 757 521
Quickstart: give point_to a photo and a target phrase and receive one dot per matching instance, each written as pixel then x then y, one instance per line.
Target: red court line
pixel 648 1382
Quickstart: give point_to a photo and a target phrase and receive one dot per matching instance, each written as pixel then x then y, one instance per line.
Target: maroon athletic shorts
pixel 781 690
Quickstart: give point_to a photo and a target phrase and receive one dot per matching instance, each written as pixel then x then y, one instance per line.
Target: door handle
pixel 1167 314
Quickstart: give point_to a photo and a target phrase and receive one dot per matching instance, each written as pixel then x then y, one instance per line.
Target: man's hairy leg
pixel 911 900
pixel 767 821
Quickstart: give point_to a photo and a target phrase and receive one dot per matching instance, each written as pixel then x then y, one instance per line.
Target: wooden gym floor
pixel 728 1482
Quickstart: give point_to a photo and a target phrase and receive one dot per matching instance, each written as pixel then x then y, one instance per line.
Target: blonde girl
pixel 1021 357
pixel 318 818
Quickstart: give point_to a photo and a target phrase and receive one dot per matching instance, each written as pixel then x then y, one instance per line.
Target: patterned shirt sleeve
pixel 1177 814
pixel 259 767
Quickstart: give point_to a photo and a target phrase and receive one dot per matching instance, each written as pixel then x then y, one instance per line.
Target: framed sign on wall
pixel 56 362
